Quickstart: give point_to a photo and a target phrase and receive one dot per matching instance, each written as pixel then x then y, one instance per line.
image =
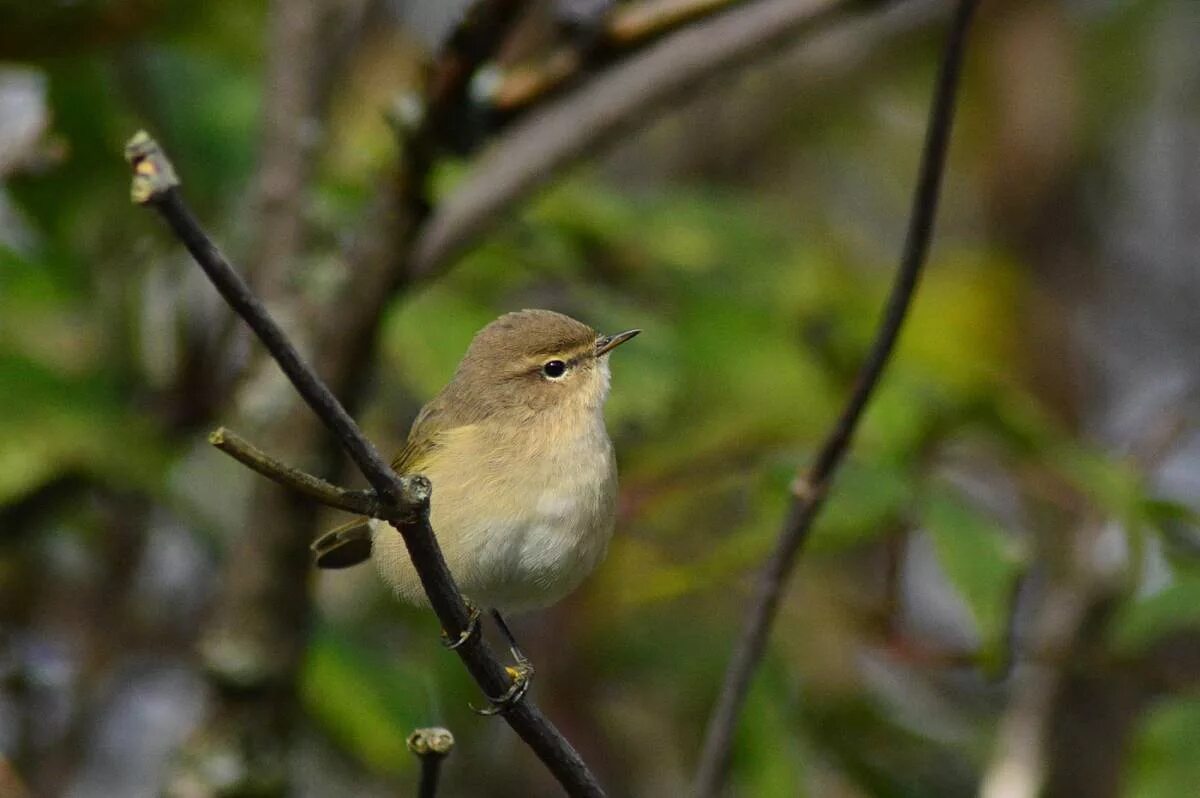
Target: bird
pixel 523 471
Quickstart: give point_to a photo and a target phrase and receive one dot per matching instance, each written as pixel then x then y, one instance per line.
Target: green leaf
pixel 981 560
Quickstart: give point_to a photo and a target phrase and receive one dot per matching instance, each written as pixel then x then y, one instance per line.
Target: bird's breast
pixel 549 520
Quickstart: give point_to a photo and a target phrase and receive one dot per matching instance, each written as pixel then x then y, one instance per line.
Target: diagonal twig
pixel 249 455
pixel 404 502
pixel 810 490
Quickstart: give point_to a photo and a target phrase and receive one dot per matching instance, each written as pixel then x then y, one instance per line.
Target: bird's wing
pixel 350 543
pixel 427 435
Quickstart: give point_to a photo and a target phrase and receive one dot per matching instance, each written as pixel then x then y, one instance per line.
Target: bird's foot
pixel 472 628
pixel 522 677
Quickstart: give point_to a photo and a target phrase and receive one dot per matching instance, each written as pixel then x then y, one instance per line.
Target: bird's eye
pixel 554 369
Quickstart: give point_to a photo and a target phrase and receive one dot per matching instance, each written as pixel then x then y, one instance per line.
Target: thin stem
pixel 431 746
pixel 404 502
pixel 810 490
pixel 431 768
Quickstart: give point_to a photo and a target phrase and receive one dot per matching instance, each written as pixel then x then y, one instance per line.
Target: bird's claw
pixel 472 628
pixel 522 677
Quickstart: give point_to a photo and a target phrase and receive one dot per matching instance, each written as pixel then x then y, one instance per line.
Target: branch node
pixel 431 746
pixel 416 489
pixel 433 741
pixel 153 174
pixel 804 489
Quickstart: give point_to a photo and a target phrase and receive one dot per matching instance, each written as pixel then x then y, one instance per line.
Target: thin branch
pixel 249 455
pixel 155 184
pixel 149 161
pixel 431 746
pixel 630 95
pixel 810 490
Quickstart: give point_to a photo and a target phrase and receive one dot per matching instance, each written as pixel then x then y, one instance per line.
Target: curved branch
pixel 810 490
pixel 532 151
pixel 404 502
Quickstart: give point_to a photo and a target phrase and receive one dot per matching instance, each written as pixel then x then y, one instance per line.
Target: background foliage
pixel 1034 442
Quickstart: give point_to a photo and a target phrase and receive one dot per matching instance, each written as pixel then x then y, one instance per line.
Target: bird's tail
pixel 344 546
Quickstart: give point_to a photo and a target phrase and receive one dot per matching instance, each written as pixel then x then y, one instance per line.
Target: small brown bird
pixel 524 479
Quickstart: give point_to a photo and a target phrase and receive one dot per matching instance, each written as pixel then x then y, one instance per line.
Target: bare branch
pixel 534 150
pixel 326 493
pixel 812 488
pixel 408 499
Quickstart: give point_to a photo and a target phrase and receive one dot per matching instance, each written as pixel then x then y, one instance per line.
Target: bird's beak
pixel 607 343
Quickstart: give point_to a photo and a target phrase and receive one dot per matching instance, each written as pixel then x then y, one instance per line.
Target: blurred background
pixel 1005 580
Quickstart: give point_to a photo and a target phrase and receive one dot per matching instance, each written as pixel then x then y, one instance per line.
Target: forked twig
pixel 810 490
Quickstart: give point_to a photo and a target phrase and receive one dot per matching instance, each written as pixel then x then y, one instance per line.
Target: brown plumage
pixel 524 481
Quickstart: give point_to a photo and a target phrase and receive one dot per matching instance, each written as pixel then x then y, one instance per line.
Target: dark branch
pixel 431 746
pixel 403 502
pixel 810 490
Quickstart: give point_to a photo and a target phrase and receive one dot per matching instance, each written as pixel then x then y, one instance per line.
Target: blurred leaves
pixel 982 561
pixel 755 259
pixel 50 425
pixel 367 703
pixel 868 499
pixel 1162 758
pixel 1146 620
